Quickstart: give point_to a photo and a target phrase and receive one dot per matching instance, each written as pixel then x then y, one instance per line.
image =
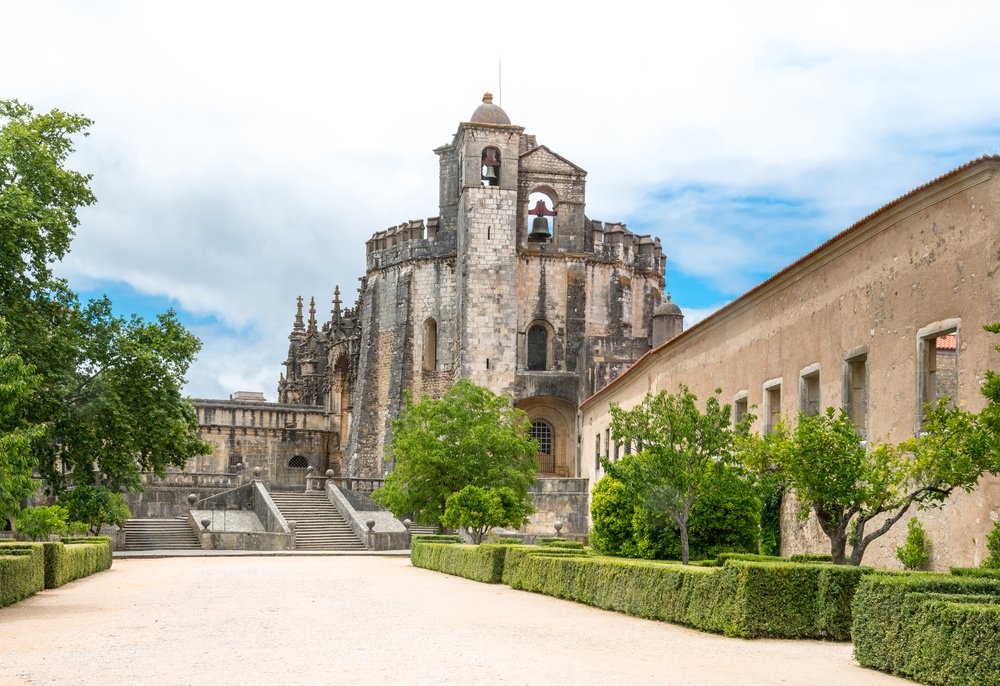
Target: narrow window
pixel 541 431
pixel 937 365
pixel 856 392
pixel 430 345
pixel 772 407
pixel 597 452
pixel 538 348
pixel 809 391
pixel 740 407
pixel 607 443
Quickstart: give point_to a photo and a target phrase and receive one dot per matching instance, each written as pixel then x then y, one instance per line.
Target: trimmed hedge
pixel 22 571
pixel 985 572
pixel 516 556
pixel 934 628
pixel 82 559
pixel 435 538
pixel 811 557
pixel 560 543
pixel 479 562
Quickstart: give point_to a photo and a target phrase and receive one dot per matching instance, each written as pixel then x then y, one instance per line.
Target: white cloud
pixel 243 153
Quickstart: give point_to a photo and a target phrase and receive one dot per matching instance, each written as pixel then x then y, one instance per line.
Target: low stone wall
pixel 244 518
pixel 167 497
pixel 559 500
pixel 388 533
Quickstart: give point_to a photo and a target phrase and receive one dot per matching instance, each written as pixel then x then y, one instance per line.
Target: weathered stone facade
pixel 883 317
pixel 482 292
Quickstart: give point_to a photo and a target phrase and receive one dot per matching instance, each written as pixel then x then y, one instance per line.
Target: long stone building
pixel 882 318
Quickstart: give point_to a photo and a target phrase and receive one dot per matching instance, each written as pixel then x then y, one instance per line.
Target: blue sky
pixel 243 152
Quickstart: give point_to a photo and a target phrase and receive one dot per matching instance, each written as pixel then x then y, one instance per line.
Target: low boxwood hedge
pixel 811 557
pixel 435 538
pixel 479 562
pixel 935 628
pixel 22 571
pixel 976 571
pixel 84 558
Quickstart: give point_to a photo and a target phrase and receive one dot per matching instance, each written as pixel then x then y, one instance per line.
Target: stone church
pixel 511 285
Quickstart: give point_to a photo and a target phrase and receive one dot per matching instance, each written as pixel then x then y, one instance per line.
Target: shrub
pixel 96 506
pixel 934 628
pixel 22 571
pixel 479 562
pixel 914 552
pixel 992 561
pixel 516 556
pixel 611 510
pixel 506 540
pixel 84 558
pixel 435 538
pixel 811 558
pixel 38 522
pixel 550 542
pixel 976 571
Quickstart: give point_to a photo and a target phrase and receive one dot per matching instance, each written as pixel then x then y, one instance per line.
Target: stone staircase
pixel 160 534
pixel 318 524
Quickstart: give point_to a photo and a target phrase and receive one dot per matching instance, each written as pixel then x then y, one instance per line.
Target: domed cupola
pixel 488 113
pixel 668 321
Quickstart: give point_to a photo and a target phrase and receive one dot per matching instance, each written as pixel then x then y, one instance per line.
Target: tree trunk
pixel 685 554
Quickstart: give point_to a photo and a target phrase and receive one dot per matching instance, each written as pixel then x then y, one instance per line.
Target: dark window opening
pixel 298 462
pixel 541 431
pixel 538 344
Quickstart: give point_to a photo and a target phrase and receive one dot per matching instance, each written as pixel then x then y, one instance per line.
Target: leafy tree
pixel 848 484
pixel 914 552
pixel 682 453
pixel 106 403
pixel 38 522
pixel 95 506
pixel 480 509
pixel 726 519
pixel 17 385
pixel 469 437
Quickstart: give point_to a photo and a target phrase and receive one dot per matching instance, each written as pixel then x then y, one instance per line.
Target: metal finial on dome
pixel 488 97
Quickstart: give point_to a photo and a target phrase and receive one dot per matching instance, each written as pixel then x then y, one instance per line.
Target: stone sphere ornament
pixel 192 499
pixel 407 523
pixel 329 474
pixel 205 522
pixel 256 472
pixel 371 524
pixel 558 526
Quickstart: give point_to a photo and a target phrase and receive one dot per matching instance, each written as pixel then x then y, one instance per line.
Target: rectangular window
pixel 235 460
pixel 607 443
pixel 740 407
pixel 809 390
pixel 772 405
pixel 597 452
pixel 937 365
pixel 856 392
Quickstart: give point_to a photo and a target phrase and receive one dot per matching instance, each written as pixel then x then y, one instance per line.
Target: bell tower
pixel 479 198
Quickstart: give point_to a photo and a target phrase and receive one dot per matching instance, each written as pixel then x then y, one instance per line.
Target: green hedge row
pixel 479 562
pixel 935 628
pixel 435 538
pixel 22 571
pixel 748 598
pixel 976 571
pixel 26 568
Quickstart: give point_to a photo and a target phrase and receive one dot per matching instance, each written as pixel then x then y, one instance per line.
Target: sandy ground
pixel 366 620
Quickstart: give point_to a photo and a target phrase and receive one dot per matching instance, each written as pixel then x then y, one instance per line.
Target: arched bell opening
pixel 541 206
pixel 490 167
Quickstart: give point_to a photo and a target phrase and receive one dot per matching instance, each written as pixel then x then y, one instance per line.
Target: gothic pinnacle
pixel 312 314
pixel 336 304
pixel 298 312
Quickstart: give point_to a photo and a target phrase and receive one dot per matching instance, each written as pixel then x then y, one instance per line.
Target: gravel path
pixel 366 620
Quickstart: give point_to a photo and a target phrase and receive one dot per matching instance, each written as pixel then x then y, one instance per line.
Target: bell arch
pixel 490 163
pixel 542 204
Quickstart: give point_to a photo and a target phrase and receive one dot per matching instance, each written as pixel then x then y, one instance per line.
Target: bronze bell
pixel 490 173
pixel 540 230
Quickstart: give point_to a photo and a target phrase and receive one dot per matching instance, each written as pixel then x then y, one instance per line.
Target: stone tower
pixel 511 286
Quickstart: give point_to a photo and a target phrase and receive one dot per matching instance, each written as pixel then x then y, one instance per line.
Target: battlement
pixel 613 241
pixel 414 239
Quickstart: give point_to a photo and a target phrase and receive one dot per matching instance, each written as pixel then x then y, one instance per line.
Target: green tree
pixel 992 560
pixel 480 509
pixel 848 484
pixel 469 437
pixel 681 455
pixel 95 506
pixel 106 403
pixel 17 434
pixel 914 553
pixel 38 522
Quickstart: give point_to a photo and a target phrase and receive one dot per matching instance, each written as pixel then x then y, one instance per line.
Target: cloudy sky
pixel 242 152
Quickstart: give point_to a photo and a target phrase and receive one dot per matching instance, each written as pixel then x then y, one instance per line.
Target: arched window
pixel 491 167
pixel 430 345
pixel 298 462
pixel 541 431
pixel 538 348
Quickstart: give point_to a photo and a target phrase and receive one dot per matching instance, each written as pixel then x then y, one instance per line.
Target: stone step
pixel 166 534
pixel 318 524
